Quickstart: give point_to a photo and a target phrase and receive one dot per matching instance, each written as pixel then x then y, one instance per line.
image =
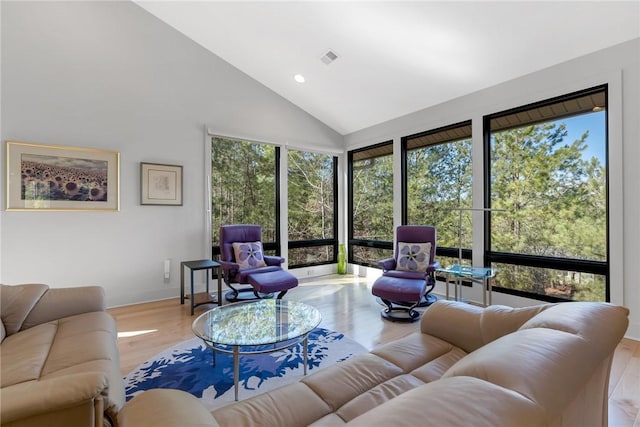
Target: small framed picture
pixel 160 184
pixel 59 178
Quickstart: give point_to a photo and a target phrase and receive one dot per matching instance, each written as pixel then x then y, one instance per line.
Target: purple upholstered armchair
pixel 409 277
pixel 248 240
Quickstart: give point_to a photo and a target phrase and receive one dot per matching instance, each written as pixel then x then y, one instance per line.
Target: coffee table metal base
pixel 236 352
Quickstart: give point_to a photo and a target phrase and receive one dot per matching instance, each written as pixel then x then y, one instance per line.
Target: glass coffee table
pixel 256 327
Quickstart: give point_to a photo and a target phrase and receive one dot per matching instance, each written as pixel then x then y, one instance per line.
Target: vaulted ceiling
pixel 395 57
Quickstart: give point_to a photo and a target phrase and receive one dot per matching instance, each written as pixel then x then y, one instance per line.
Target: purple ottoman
pixel 273 281
pixel 394 289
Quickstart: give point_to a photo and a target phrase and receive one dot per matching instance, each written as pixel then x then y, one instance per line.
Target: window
pixel 547 167
pixel 437 178
pixel 371 204
pixel 312 198
pixel 244 189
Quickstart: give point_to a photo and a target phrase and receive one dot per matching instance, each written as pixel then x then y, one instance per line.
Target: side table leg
pixel 446 284
pixel 182 283
pixel 191 298
pixel 490 289
pixel 484 292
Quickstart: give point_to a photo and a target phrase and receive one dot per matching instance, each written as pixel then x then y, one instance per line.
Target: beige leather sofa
pixel 59 363
pixel 539 366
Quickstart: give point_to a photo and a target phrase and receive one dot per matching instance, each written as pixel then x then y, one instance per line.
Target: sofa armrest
pixel 70 397
pixel 165 408
pixel 57 303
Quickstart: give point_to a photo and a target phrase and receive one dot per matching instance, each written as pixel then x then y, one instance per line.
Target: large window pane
pixel 438 183
pixel 371 201
pixel 548 171
pixel 372 185
pixel 369 256
pixel 561 284
pixel 311 255
pixel 311 204
pixel 243 187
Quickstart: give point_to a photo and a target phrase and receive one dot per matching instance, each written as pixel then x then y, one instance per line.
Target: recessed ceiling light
pixel 299 78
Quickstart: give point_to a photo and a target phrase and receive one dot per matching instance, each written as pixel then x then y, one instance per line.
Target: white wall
pixel 109 75
pixel 618 66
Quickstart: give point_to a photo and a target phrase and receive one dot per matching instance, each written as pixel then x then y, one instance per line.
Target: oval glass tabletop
pixel 256 323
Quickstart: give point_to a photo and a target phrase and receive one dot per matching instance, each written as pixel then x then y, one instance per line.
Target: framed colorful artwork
pixel 60 178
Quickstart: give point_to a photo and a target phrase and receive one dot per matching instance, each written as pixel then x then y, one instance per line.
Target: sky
pixel 596 142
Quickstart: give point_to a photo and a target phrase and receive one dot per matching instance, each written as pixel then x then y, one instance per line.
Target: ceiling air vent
pixel 329 57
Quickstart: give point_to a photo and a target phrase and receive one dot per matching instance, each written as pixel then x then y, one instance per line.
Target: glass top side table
pixel 483 275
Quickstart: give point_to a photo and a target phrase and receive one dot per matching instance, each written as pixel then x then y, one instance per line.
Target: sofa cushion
pixel 540 364
pixel 57 303
pixel 292 405
pixel 470 327
pixel 377 396
pixel 24 354
pixel 413 351
pixel 165 408
pixel 460 401
pixel 598 323
pixel 16 303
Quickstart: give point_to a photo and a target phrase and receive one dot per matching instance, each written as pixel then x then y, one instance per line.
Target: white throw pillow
pixel 413 256
pixel 248 254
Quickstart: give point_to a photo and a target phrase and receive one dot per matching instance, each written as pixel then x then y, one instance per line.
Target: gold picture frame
pixel 160 184
pixel 59 178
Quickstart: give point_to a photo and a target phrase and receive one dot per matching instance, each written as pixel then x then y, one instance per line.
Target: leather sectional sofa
pixel 546 365
pixel 59 362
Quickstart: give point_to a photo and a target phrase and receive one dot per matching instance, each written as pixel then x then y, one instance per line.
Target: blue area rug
pixel 188 366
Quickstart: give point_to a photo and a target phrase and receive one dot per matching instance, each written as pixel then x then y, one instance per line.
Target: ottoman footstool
pixel 390 289
pixel 273 281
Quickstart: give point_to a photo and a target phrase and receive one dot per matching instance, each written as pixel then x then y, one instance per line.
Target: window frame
pixel 309 243
pixel 451 252
pixel 536 261
pixel 275 246
pixel 366 243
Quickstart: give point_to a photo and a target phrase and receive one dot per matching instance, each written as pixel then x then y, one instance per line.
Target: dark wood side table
pixel 201 297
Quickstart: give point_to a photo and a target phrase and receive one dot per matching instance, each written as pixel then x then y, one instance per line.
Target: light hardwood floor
pixel 347 306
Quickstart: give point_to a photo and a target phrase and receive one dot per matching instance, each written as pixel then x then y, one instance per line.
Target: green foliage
pixel 310 204
pixel 556 207
pixel 439 179
pixel 373 199
pixel 310 195
pixel 242 186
